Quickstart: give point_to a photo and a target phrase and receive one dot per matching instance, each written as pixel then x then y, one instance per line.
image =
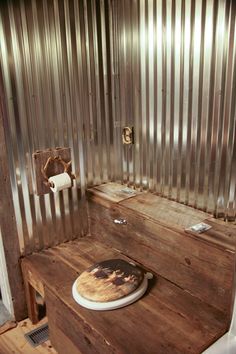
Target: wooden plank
pixel 32 284
pixel 170 214
pixel 14 341
pixel 89 251
pixel 178 217
pixel 60 341
pixel 96 251
pixel 76 333
pixel 31 277
pixel 7 325
pixel 110 193
pixel 180 322
pixel 202 269
pixel 167 212
pixel 222 233
pixel 32 306
pixel 8 222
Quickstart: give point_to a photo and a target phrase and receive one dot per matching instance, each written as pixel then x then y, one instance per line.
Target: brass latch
pixel 128 135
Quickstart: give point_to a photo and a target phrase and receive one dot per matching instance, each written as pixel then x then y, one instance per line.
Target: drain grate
pixel 38 335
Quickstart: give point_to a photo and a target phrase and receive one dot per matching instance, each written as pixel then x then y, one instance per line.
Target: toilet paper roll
pixel 60 182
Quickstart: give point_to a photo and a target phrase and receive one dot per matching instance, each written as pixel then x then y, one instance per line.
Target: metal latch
pixel 128 135
pixel 120 221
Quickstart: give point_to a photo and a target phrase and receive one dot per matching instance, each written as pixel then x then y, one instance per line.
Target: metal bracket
pixel 128 135
pixel 120 221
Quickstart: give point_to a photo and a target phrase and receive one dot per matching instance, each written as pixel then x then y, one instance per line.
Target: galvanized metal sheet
pixel 183 68
pixel 76 72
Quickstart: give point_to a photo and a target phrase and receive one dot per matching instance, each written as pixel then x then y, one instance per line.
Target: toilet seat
pixel 111 305
pixel 110 284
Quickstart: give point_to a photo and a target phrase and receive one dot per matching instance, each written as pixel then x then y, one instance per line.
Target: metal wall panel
pixel 76 72
pixel 56 66
pixel 177 88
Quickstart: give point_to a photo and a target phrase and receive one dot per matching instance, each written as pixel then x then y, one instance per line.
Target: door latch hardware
pixel 128 135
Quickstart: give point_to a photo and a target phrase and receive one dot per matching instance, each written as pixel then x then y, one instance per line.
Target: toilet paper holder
pixel 55 159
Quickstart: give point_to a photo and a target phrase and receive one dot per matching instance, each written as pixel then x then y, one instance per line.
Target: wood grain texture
pixel 32 278
pixel 203 269
pixel 78 335
pixel 222 233
pixel 58 338
pixel 40 158
pixel 165 211
pixel 179 322
pixel 7 326
pixel 109 193
pixel 14 342
pixel 32 306
pixel 8 221
pixel 168 213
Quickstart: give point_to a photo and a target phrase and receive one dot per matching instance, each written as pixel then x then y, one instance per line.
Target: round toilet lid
pixel 109 280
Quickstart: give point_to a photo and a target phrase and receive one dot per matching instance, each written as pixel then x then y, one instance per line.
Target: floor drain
pixel 38 335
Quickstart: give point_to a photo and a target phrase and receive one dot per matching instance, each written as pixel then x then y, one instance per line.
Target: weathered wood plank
pixel 77 334
pixel 222 233
pixel 98 251
pixel 198 267
pixel 32 307
pixel 7 326
pixel 59 340
pixel 167 212
pixel 170 214
pixel 109 193
pixel 180 322
pixel 8 222
pixel 32 284
pixel 32 278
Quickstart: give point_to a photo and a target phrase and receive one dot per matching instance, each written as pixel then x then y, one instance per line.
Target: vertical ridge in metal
pixel 185 129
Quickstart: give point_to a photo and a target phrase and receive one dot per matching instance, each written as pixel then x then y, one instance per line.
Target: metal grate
pixel 38 335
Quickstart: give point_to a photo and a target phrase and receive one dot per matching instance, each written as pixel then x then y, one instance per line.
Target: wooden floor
pixel 14 342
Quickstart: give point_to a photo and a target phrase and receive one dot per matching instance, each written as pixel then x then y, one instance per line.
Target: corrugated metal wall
pixel 177 84
pixel 55 67
pixel 75 72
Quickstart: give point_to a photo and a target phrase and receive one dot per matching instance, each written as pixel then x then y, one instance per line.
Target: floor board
pixel 14 342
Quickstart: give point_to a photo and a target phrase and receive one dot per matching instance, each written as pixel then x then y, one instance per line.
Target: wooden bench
pixel 188 304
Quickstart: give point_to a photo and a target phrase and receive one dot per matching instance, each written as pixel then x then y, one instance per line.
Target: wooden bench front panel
pixel 205 270
pixel 70 331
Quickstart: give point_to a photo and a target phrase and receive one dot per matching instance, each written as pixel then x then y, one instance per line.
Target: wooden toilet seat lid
pixel 109 280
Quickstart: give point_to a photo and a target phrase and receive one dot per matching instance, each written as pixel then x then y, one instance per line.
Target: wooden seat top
pixel 166 320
